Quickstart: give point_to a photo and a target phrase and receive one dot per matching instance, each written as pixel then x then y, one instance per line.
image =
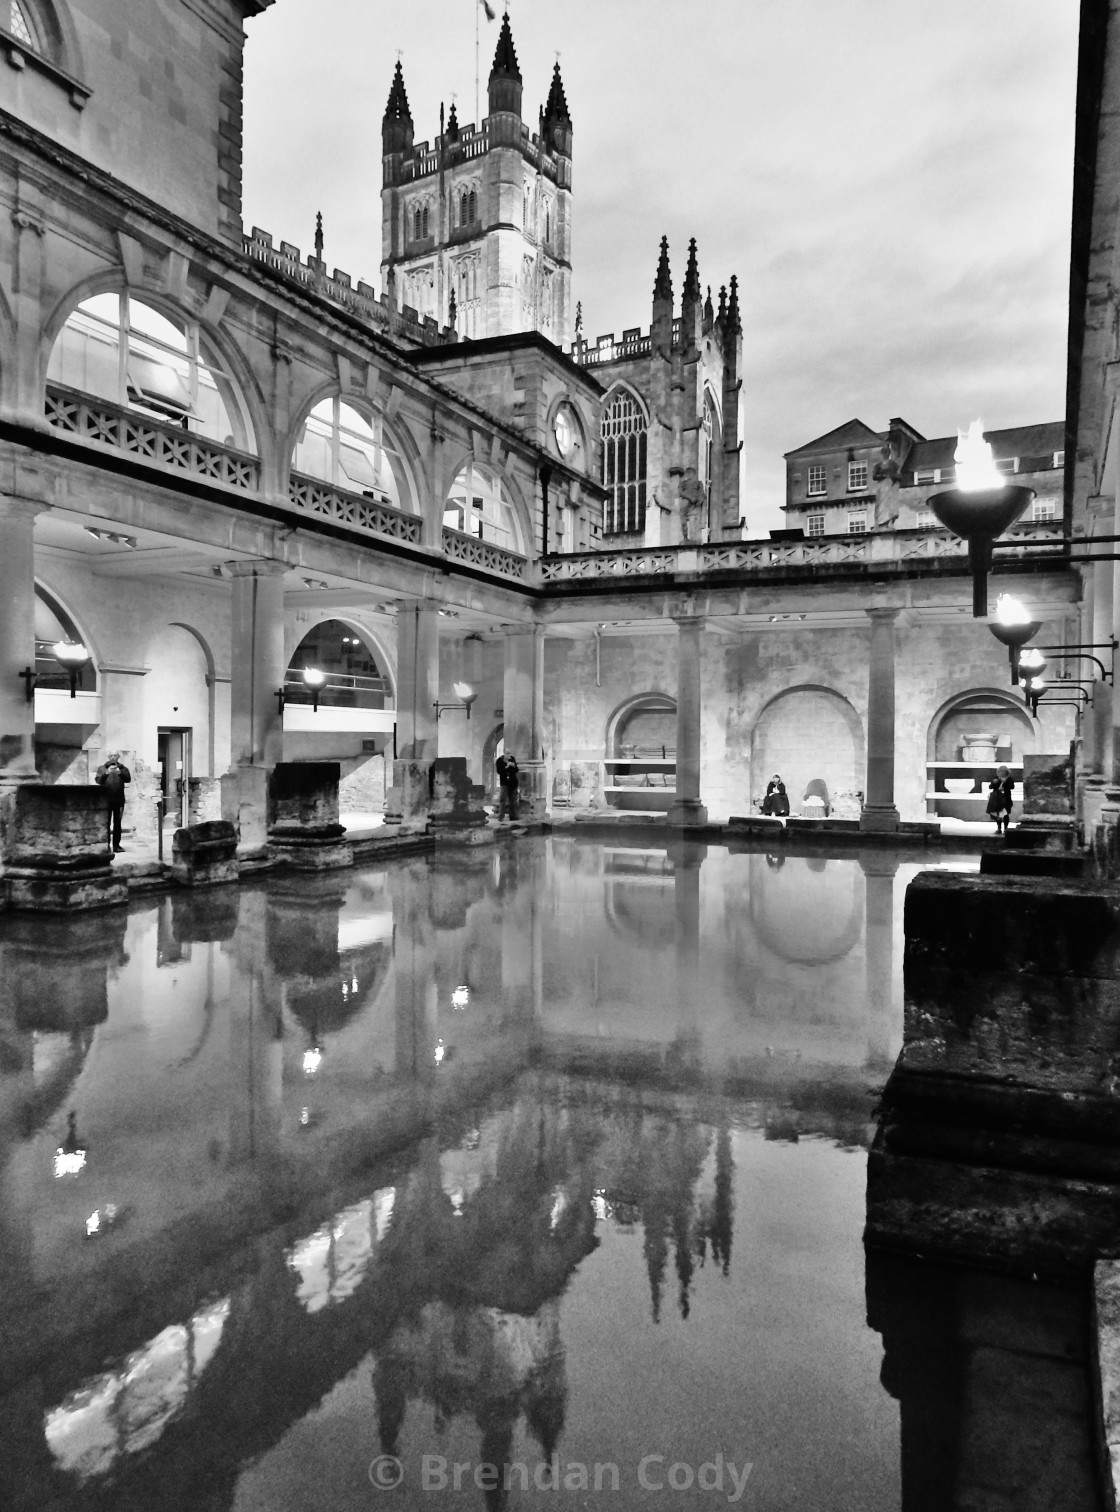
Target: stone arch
pixel 621 386
pixel 71 624
pixel 295 636
pixel 385 657
pixel 975 705
pixel 632 710
pixel 245 403
pixel 804 733
pixel 518 518
pixel 398 444
pixel 179 691
pixel 831 894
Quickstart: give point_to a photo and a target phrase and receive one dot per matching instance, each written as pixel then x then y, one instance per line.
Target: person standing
pixel 1000 799
pixel 114 777
pixel 507 776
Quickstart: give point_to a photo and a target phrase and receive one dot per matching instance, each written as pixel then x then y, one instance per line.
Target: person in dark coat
pixel 507 777
pixel 114 777
pixel 777 799
pixel 1000 799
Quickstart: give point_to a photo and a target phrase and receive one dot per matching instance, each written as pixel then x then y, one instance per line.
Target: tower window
pixel 857 476
pixel 421 223
pixel 817 480
pixel 814 525
pixel 468 207
pixel 19 24
pixel 623 434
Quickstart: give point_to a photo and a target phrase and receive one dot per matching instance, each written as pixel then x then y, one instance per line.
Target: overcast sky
pixel 890 180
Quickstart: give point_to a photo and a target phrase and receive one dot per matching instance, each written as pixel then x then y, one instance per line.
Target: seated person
pixel 776 801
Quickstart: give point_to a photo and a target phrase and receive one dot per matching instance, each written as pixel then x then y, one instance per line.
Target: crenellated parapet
pixel 360 299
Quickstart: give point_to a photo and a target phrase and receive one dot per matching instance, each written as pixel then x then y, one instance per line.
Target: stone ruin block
pixel 205 854
pixel 1048 785
pixel 54 850
pixel 303 824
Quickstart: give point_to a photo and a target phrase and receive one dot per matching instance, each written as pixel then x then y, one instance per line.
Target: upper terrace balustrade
pixel 875 549
pixel 629 345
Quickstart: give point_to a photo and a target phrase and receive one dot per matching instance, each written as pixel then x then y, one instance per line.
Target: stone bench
pixel 205 854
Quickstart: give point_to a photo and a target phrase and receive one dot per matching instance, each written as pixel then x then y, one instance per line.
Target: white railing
pixel 106 424
pixel 312 497
pixel 475 553
pixel 885 546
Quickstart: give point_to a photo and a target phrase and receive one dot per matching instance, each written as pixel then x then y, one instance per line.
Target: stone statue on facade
pixel 692 495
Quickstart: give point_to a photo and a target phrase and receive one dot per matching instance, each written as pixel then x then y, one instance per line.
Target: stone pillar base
pixel 52 841
pixel 879 820
pixel 687 813
pixel 245 805
pixel 312 852
pixel 406 801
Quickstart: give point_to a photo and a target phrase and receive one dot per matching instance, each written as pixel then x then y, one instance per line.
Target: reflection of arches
pixel 989 709
pixel 639 910
pixel 805 733
pixel 808 913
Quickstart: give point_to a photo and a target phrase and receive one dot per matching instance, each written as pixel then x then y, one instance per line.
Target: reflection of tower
pixel 256 1049
pixel 414 975
pixel 687 858
pixel 723 1208
pixel 879 872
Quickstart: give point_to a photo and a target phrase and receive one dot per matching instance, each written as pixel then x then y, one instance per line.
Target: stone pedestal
pixel 996 1140
pixel 303 826
pixel 52 843
pixel 406 802
pixel 244 792
pixel 205 854
pixel 455 812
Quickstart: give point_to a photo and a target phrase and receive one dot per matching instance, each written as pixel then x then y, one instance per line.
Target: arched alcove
pixel 480 503
pixel 808 734
pixel 159 362
pixel 641 753
pixel 356 674
pixel 981 710
pixel 54 623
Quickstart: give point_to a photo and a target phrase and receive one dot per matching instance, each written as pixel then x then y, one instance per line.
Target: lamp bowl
pixel 980 512
pixel 1015 635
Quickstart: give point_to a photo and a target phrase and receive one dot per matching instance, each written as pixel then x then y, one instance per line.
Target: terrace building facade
pixel 222 463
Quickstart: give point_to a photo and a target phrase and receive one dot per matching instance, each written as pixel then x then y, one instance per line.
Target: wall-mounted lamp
pixel 1013 628
pixel 462 691
pixel 1082 651
pixel 73 658
pixel 313 679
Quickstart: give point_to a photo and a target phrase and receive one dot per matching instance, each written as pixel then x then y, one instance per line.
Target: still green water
pixel 530 1176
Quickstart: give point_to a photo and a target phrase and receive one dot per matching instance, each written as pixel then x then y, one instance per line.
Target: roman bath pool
pixel 527 1176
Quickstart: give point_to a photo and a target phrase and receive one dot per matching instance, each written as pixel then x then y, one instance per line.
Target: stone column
pixel 257 726
pixel 879 872
pixel 687 809
pixel 17 639
pixel 879 811
pixel 523 716
pixel 417 731
pixel 1102 631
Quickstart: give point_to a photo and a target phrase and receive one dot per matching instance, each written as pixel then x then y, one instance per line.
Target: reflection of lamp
pixel 312 1058
pixel 462 691
pixel 70 1157
pixel 1013 628
pixel 981 507
pixel 461 996
pixel 73 658
pixel 440 1052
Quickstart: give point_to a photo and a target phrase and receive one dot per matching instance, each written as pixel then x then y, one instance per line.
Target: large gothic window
pixel 479 506
pixel 118 349
pixel 343 448
pixel 623 432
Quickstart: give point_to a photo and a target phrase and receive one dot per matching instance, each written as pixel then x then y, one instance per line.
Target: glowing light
pixel 1032 662
pixel 460 997
pixel 101 1219
pixel 312 1060
pixel 559 1207
pixel 976 467
pixel 440 1052
pixel 305 1117
pixel 313 677
pixel 68 1162
pixel 1012 611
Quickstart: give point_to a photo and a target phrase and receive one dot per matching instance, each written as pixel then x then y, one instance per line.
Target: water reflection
pixel 640 1151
